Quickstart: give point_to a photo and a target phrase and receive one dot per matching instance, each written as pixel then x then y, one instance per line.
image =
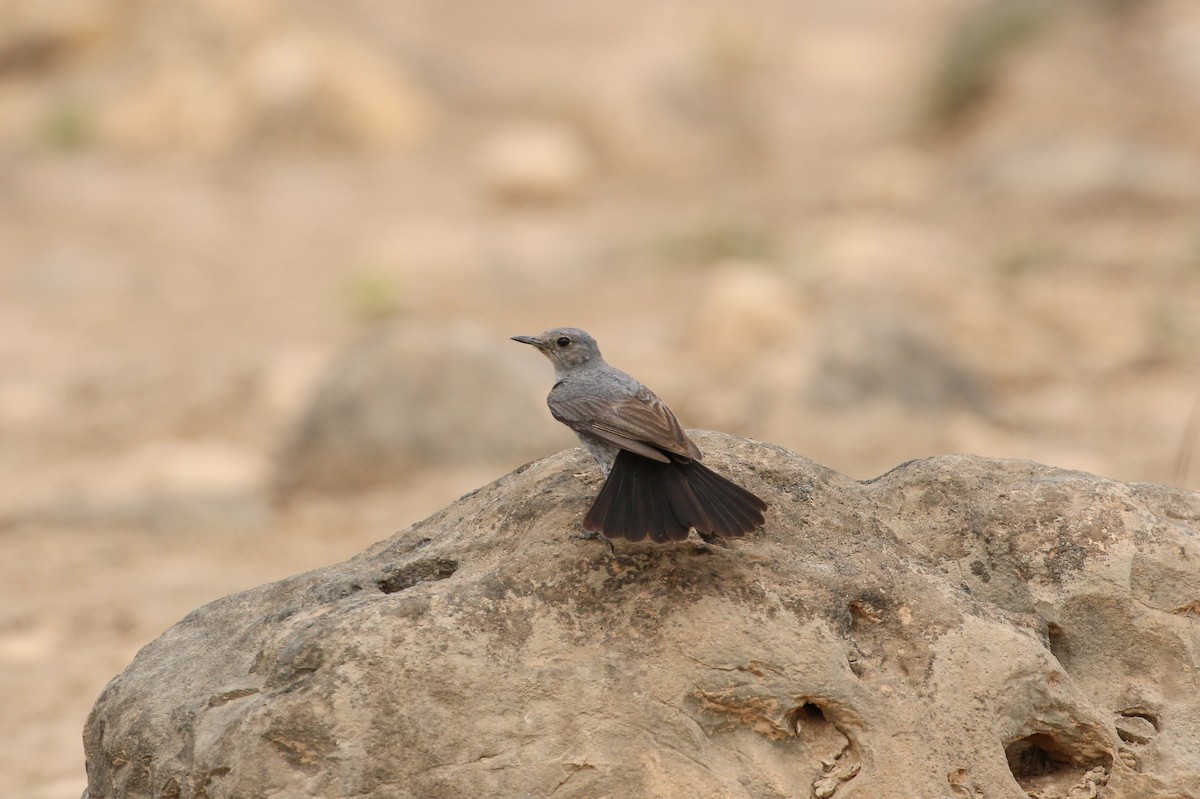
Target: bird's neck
pixel 577 370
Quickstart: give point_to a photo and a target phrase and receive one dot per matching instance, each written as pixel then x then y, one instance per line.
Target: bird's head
pixel 566 347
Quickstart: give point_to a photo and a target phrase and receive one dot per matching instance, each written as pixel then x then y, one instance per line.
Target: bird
pixel 655 485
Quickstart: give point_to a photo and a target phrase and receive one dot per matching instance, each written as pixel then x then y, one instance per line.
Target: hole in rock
pixel 807 714
pixel 1141 713
pixel 1058 643
pixel 1137 725
pixel 422 571
pixel 1036 756
pixel 1042 765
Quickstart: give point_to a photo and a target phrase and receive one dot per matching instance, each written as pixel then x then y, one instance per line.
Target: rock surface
pixel 958 627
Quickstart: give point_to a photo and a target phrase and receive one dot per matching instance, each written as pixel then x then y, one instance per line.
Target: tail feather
pixel 632 504
pixel 740 502
pixel 733 511
pixel 643 497
pixel 726 521
pixel 634 523
pixel 686 508
pixel 597 517
pixel 658 515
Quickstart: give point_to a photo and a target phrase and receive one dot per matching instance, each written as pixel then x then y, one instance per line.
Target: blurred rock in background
pixel 417 395
pixel 534 162
pixel 202 78
pixel 865 358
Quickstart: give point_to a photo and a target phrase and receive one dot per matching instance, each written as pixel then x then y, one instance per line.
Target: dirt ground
pixel 867 232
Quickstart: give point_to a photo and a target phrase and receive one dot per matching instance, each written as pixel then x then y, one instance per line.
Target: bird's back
pixel 599 401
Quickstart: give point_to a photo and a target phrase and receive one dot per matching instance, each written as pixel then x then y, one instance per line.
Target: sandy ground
pixel 745 203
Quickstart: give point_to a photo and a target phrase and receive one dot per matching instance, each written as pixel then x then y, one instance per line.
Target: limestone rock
pixel 1111 570
pixel 958 627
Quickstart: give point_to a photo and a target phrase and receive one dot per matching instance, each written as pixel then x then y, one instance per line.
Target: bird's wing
pixel 640 422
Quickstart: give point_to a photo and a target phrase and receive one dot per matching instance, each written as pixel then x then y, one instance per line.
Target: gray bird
pixel 656 485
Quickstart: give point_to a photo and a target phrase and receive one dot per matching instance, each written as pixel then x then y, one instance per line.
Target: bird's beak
pixel 531 340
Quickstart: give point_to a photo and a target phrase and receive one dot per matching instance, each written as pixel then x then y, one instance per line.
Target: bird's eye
pixel 563 341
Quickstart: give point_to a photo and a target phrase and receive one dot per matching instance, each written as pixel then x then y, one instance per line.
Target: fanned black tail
pixel 643 497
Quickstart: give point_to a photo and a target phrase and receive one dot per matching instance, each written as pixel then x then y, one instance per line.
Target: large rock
pixel 959 627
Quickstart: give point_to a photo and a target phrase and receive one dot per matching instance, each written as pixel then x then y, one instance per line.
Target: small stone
pixel 534 162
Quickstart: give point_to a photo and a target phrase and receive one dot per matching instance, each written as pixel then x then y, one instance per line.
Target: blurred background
pixel 259 262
